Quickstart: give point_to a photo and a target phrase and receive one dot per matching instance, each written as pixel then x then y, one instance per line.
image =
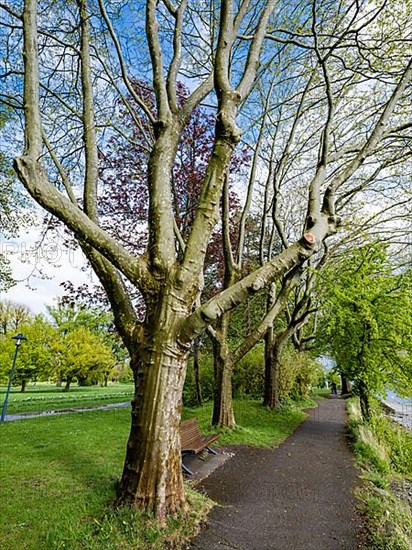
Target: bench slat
pixel 192 440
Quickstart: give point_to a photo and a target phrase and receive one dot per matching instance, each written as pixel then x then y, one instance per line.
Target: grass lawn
pixel 47 397
pixel 321 392
pixel 256 425
pixel 58 477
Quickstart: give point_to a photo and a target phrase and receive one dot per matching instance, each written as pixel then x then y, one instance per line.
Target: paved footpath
pixel 298 496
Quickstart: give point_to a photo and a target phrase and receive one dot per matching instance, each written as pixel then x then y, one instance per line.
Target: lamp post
pixel 19 339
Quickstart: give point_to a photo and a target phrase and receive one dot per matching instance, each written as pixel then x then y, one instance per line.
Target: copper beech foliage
pixel 124 193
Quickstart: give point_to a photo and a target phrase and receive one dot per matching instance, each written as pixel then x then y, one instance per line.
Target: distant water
pixel 401 407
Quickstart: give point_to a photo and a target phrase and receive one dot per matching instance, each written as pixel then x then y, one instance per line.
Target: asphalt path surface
pixel 298 496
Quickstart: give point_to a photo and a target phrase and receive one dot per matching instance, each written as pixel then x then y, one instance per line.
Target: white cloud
pixel 39 268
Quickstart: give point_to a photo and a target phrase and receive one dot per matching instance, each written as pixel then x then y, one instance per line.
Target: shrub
pixel 249 374
pixel 206 380
pixel 298 373
pixel 397 441
pixel 384 449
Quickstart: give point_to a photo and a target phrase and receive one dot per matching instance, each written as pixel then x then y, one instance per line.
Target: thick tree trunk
pixel 23 385
pixel 223 414
pixel 152 476
pixel 272 367
pixel 364 400
pixel 196 371
pixel 67 386
pixel 346 386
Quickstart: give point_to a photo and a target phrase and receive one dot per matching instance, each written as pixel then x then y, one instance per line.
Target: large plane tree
pixel 78 57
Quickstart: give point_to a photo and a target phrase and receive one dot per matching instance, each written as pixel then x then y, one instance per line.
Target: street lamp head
pixel 19 339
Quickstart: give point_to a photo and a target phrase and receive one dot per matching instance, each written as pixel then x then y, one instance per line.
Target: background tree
pixel 367 323
pixel 83 356
pixel 34 360
pixel 12 316
pixel 93 328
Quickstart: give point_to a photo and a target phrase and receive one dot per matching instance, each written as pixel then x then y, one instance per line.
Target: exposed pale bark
pixel 223 414
pixel 152 476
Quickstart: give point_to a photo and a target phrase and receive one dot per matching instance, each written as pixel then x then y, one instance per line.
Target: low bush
pixel 206 381
pixel 249 375
pixel 298 373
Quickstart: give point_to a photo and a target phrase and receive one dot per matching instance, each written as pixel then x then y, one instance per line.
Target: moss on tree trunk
pixel 272 367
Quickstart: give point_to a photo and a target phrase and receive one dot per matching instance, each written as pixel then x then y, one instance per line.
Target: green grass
pixel 256 425
pixel 321 392
pixel 384 452
pixel 47 397
pixel 58 477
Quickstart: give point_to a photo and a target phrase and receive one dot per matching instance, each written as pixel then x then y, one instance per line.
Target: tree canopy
pixel 367 322
pixel 76 346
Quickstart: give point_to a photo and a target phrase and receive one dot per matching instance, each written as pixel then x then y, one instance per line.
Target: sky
pixel 40 268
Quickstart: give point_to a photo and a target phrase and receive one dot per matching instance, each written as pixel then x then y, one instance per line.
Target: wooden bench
pixel 192 441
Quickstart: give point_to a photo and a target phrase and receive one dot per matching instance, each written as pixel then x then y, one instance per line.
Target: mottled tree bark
pixel 223 414
pixel 273 352
pixel 152 477
pixel 196 371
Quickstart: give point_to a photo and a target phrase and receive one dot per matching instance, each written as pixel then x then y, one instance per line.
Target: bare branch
pixel 152 31
pixel 280 304
pixel 374 138
pixel 89 127
pixel 122 64
pixel 63 174
pixel 6 8
pixel 237 293
pixel 177 56
pixel 252 62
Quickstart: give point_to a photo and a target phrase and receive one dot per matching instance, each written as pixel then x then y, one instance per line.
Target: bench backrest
pixel 189 433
